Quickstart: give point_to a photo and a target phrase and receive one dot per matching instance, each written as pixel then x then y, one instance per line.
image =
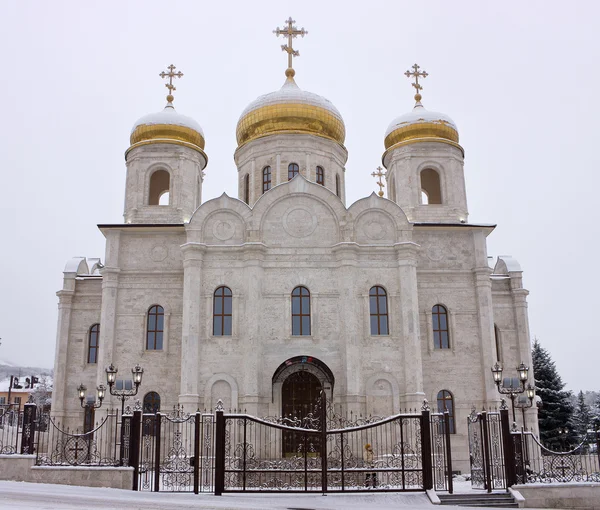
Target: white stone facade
pixel 298 233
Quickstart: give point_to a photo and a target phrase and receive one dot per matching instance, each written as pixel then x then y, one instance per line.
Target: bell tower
pixel 424 162
pixel 165 164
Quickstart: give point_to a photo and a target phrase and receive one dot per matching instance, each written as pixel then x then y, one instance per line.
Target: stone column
pixel 413 394
pixel 108 311
pixel 352 331
pixel 65 304
pixel 247 330
pixel 193 256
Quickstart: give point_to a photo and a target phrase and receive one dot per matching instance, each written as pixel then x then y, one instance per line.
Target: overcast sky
pixel 520 79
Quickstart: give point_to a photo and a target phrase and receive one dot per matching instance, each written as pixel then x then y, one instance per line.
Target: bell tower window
pixel 293 170
pixel 160 182
pixel 431 192
pixel 320 176
pixel 266 178
pixel 247 189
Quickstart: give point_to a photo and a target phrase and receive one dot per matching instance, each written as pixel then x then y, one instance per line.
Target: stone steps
pixel 491 500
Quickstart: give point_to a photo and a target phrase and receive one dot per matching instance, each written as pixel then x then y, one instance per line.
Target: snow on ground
pixel 38 496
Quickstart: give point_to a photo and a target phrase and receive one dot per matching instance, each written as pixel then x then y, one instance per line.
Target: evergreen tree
pixel 596 413
pixel 556 410
pixel 582 417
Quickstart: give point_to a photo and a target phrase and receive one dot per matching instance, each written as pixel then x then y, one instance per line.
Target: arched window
pixel 497 339
pixel 247 189
pixel 93 337
pixel 378 311
pixel 430 187
pixel 441 337
pixel 222 312
pixel 159 187
pixel 151 402
pixel 266 178
pixel 151 406
pixel 337 185
pixel 320 176
pixel 154 331
pixel 300 311
pixel 293 170
pixel 445 402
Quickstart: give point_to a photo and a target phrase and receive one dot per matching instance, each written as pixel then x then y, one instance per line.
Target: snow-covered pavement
pixel 30 496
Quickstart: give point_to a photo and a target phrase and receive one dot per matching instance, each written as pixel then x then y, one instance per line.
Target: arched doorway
pixel 297 385
pixel 299 395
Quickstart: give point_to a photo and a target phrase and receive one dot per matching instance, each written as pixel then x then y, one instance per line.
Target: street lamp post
pixel 514 389
pixel 100 391
pixel 123 395
pixel 562 436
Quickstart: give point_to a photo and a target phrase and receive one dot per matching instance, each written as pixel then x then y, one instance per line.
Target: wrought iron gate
pixel 176 452
pixel 486 450
pixel 333 453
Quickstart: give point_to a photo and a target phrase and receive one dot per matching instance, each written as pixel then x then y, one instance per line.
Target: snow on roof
pixel 168 116
pixel 5 383
pixel 417 115
pixel 291 93
pixel 507 264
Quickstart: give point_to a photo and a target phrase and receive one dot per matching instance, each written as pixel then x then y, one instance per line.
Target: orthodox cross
pixel 171 74
pixel 291 32
pixel 416 74
pixel 379 174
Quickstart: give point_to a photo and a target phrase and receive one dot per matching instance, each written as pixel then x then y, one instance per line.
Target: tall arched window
pixel 159 186
pixel 155 328
pixel 431 192
pixel 445 402
pixel 266 178
pixel 93 337
pixel 222 311
pixel 293 170
pixel 378 310
pixel 441 337
pixel 247 189
pixel 337 185
pixel 300 311
pixel 320 176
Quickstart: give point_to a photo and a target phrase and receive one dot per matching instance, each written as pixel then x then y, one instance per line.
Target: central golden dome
pixel 290 110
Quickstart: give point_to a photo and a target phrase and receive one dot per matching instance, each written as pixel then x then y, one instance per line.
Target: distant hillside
pixel 7 369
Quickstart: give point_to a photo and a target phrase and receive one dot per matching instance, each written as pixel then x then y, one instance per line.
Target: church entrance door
pixel 299 396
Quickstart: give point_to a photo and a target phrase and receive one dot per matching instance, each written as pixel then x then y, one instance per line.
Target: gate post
pixel 507 446
pixel 28 431
pixel 323 420
pixel 134 446
pixel 157 429
pixel 448 450
pixel 196 451
pixel 426 461
pixel 219 450
pixel 487 468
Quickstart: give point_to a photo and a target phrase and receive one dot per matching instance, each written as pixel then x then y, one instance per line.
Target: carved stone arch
pixel 213 392
pixel 382 392
pixel 295 364
pixel 300 217
pixel 296 186
pixel 384 206
pixel 222 204
pixel 223 226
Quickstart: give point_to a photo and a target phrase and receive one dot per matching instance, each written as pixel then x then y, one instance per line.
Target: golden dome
pixel 290 110
pixel 167 126
pixel 421 125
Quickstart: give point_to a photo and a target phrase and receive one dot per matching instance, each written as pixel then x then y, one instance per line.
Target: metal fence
pixel 11 429
pixel 55 446
pixel 534 463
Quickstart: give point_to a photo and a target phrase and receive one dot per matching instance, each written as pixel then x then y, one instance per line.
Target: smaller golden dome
pixel 422 125
pixel 167 126
pixel 290 110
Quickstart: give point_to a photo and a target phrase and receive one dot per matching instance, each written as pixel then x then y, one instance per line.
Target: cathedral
pixel 266 299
